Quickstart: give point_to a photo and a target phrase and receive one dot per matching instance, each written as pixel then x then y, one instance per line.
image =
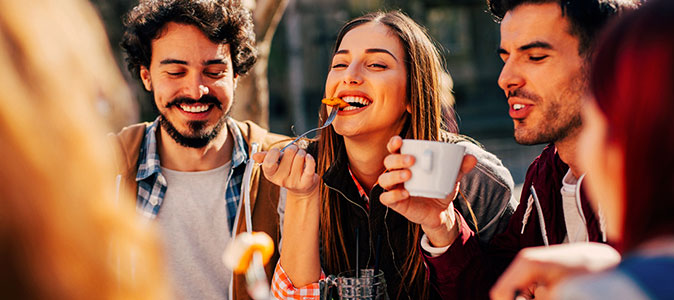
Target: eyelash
pixel 215 74
pixel 537 58
pixel 211 74
pixel 381 66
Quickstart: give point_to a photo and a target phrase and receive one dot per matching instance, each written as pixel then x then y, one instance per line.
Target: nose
pixel 511 77
pixel 195 87
pixel 353 75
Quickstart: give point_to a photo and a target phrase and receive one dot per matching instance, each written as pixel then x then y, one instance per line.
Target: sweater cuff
pixel 433 251
pixel 447 266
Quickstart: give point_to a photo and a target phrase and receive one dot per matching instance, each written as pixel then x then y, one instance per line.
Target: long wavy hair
pixel 428 94
pixel 63 235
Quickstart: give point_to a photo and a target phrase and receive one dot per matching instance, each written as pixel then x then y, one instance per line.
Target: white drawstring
pixel 541 220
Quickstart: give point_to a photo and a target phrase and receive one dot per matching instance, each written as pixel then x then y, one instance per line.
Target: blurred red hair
pixel 633 83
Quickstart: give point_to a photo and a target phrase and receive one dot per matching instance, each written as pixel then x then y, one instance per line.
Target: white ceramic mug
pixel 435 168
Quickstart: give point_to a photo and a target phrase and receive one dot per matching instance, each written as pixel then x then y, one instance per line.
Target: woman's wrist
pixel 446 232
pixel 303 195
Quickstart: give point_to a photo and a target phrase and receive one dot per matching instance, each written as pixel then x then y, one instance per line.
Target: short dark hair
pixel 586 17
pixel 222 21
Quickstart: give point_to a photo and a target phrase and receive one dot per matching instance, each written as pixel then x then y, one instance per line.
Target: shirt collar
pixel 149 162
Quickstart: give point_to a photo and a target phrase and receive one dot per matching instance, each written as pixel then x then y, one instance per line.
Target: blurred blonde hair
pixel 63 233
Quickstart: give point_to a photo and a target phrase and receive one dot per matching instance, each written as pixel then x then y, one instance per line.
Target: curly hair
pixel 222 21
pixel 586 17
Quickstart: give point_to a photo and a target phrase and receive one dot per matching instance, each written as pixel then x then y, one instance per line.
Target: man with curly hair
pixel 186 168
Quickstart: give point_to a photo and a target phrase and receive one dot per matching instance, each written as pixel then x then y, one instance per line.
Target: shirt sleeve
pixel 283 288
pixel 433 251
pixel 458 267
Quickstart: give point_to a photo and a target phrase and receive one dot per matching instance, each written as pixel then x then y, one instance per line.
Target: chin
pixel 526 140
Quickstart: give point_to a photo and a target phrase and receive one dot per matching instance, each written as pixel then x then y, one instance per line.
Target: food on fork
pixel 335 101
pixel 239 253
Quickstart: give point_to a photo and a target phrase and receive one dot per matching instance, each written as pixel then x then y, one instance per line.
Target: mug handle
pixel 426 161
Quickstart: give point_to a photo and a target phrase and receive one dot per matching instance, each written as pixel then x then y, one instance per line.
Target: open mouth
pixel 355 102
pixel 517 107
pixel 195 108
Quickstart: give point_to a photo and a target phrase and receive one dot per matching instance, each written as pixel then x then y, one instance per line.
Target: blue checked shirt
pixel 152 184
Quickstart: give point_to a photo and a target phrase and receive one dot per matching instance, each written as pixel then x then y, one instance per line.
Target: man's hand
pixel 436 216
pixel 540 269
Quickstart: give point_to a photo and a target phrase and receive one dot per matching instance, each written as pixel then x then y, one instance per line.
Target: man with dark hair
pixel 546 46
pixel 187 167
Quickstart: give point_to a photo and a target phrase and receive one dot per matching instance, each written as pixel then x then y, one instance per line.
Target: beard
pixel 554 130
pixel 199 136
pixel 561 117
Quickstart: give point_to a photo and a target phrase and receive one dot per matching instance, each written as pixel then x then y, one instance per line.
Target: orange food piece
pixel 335 101
pixel 239 252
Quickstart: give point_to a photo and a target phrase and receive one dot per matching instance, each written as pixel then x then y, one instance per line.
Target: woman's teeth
pixel 518 106
pixel 194 109
pixel 355 102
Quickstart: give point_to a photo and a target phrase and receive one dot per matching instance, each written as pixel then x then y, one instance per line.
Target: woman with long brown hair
pixel 391 74
pixel 63 232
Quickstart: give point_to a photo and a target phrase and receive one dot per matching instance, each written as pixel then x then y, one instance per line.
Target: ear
pixel 236 80
pixel 145 77
pixel 409 108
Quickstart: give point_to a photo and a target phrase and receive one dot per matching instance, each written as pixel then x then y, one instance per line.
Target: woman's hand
pixel 295 171
pixel 436 216
pixel 539 270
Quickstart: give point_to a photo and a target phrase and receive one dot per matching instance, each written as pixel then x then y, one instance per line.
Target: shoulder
pixel 126 144
pixel 131 133
pixel 488 165
pixel 253 133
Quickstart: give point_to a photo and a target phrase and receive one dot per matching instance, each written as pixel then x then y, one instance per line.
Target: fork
pixel 331 118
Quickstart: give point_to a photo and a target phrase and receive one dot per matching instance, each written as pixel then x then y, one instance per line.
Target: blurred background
pixel 295 39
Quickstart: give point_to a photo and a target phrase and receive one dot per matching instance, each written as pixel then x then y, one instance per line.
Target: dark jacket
pixel 487 187
pixel 467 271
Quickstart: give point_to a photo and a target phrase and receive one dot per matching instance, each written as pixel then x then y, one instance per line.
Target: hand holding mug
pixel 440 172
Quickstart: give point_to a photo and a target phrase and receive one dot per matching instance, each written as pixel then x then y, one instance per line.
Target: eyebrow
pixel 170 61
pixel 532 45
pixel 215 62
pixel 370 50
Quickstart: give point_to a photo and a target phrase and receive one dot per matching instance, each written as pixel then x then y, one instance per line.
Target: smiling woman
pixel 390 73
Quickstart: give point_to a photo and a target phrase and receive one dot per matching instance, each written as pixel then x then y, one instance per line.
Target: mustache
pixel 520 93
pixel 205 99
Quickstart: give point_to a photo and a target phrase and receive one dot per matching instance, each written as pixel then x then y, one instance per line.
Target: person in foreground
pixel 186 168
pixel 63 232
pixel 545 47
pixel 626 146
pixel 388 70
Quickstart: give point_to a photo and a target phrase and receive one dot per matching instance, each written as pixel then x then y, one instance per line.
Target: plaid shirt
pixel 281 285
pixel 283 288
pixel 152 184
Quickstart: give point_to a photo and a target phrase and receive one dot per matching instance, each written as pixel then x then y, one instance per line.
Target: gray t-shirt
pixel 194 232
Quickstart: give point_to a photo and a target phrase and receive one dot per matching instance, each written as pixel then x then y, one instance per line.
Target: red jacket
pixel 466 271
